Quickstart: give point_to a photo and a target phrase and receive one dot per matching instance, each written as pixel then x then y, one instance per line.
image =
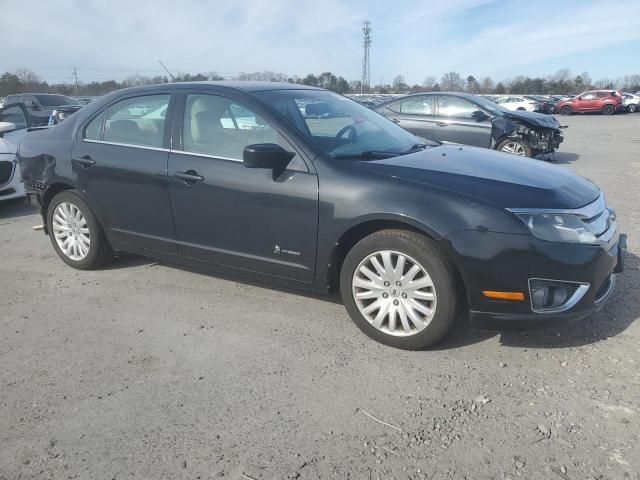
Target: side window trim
pixel 177 132
pixel 167 132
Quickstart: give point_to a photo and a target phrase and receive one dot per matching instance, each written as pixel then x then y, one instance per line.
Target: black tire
pixel 632 108
pixel 521 109
pixel 608 110
pixel 100 251
pixel 528 152
pixel 439 268
pixel 566 110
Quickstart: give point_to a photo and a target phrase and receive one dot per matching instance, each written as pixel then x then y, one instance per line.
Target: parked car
pixel 15 121
pixel 474 120
pixel 407 231
pixel 85 100
pixel 607 102
pixel 513 102
pixel 45 108
pixel 631 102
pixel 543 104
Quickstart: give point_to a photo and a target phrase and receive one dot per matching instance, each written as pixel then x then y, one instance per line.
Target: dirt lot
pixel 149 371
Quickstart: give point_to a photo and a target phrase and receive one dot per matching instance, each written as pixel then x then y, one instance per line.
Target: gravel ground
pixel 148 371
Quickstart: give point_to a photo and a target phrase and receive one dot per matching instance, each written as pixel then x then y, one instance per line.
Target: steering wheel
pixel 353 135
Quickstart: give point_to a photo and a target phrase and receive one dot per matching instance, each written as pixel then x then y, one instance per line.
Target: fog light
pixel 549 296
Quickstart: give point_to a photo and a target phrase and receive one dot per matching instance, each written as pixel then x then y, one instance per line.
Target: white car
pixel 14 122
pixel 631 102
pixel 513 102
pixel 11 185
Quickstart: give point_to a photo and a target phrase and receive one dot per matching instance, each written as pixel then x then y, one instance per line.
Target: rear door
pixel 120 160
pixel 461 121
pixel 225 213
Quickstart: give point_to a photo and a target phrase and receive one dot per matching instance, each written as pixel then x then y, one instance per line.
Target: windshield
pixel 490 106
pixel 339 126
pixel 56 100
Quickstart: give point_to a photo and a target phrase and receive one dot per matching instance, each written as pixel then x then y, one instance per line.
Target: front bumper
pixel 506 262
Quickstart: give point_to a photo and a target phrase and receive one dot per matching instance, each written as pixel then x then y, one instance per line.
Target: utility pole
pixel 366 67
pixel 167 70
pixel 75 75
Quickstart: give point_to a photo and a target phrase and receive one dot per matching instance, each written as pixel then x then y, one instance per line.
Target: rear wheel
pixel 608 110
pixel 566 110
pixel 515 147
pixel 632 108
pixel 399 289
pixel 75 233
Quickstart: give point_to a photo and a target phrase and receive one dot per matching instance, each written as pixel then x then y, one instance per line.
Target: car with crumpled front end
pixel 453 117
pixel 314 191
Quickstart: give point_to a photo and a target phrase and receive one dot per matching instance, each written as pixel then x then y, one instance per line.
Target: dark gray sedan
pixel 473 120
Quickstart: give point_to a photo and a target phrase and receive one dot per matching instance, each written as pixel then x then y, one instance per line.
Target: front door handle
pixel 190 177
pixel 395 120
pixel 442 124
pixel 85 161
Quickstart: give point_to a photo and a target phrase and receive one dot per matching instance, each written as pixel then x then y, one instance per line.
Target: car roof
pixel 246 86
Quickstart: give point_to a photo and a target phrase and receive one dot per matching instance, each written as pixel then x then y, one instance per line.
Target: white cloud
pixel 106 38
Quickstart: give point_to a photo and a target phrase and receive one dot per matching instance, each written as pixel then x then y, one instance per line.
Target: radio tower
pixel 365 84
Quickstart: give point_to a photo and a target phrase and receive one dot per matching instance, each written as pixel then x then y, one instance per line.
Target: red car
pixel 606 101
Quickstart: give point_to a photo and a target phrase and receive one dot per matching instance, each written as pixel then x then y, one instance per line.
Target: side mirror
pixel 266 155
pixel 480 116
pixel 7 127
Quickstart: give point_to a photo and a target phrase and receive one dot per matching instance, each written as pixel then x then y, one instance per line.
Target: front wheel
pixel 75 233
pixel 566 110
pixel 608 110
pixel 632 108
pixel 399 289
pixel 515 147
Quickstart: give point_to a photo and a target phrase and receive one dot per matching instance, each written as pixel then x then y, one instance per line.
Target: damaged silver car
pixel 451 117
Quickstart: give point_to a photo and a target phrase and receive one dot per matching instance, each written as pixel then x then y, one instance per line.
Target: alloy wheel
pixel 71 231
pixel 514 148
pixel 394 293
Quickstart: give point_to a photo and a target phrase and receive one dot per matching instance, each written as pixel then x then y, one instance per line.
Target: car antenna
pixel 167 70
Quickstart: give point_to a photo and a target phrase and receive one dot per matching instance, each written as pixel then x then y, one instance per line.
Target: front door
pixel 120 162
pixel 225 213
pixel 461 121
pixel 414 113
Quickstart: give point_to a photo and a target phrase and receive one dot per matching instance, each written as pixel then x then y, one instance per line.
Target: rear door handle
pixel 442 124
pixel 190 177
pixel 395 120
pixel 85 161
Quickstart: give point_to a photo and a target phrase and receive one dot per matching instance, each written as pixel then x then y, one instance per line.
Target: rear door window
pixel 417 106
pixel 138 121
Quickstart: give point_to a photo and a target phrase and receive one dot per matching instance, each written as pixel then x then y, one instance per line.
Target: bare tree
pixel 429 83
pixel 452 82
pixel 487 85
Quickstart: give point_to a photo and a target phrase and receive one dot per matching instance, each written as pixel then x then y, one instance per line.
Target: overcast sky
pixel 108 39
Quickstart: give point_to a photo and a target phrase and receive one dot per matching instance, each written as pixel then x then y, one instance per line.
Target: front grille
pixel 6 170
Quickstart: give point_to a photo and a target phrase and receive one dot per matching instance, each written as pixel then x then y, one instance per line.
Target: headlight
pixel 61 115
pixel 559 228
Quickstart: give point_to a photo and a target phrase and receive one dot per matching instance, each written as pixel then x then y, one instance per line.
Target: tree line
pixel 562 82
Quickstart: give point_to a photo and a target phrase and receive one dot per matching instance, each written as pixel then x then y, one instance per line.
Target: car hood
pixel 502 179
pixel 535 119
pixel 6 147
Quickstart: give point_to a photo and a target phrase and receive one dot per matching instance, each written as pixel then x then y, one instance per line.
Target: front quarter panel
pixel 351 194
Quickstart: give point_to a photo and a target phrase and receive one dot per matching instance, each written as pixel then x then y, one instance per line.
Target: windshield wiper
pixel 378 154
pixel 372 154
